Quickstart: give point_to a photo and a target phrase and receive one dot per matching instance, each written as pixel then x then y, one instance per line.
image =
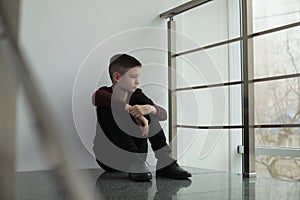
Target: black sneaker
pixel 173 171
pixel 139 172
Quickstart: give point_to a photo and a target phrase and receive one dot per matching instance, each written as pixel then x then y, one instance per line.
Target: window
pixel 277 101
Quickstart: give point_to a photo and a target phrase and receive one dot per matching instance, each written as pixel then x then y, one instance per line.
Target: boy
pixel 127 118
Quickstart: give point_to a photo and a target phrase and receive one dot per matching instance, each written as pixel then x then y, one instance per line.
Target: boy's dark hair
pixel 121 63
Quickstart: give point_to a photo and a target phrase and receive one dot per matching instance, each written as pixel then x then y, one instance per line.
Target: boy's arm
pixel 103 98
pixel 161 113
pixel 142 105
pixel 155 110
pixel 143 124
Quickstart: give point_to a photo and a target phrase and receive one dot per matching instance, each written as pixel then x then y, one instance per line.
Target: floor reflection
pixel 204 185
pixel 116 185
pixel 167 189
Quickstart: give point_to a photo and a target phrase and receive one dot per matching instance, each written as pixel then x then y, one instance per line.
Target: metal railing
pixel 247 82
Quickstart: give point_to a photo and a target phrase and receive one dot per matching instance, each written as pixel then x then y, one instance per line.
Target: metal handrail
pixel 182 8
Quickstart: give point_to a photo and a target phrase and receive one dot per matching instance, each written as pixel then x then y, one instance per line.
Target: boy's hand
pixel 143 125
pixel 141 110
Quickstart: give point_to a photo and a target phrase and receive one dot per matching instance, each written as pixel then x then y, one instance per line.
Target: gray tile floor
pixel 204 184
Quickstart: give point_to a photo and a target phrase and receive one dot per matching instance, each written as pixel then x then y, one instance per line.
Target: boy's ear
pixel 116 77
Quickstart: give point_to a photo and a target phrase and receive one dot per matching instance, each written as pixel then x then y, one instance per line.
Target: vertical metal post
pixel 8 91
pixel 247 91
pixel 172 85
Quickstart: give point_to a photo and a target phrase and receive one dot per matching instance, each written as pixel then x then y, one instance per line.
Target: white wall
pixel 56 37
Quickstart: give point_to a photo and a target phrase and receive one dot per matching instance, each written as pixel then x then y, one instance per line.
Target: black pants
pixel 118 129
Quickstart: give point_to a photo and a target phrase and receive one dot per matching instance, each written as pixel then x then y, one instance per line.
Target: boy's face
pixel 130 80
